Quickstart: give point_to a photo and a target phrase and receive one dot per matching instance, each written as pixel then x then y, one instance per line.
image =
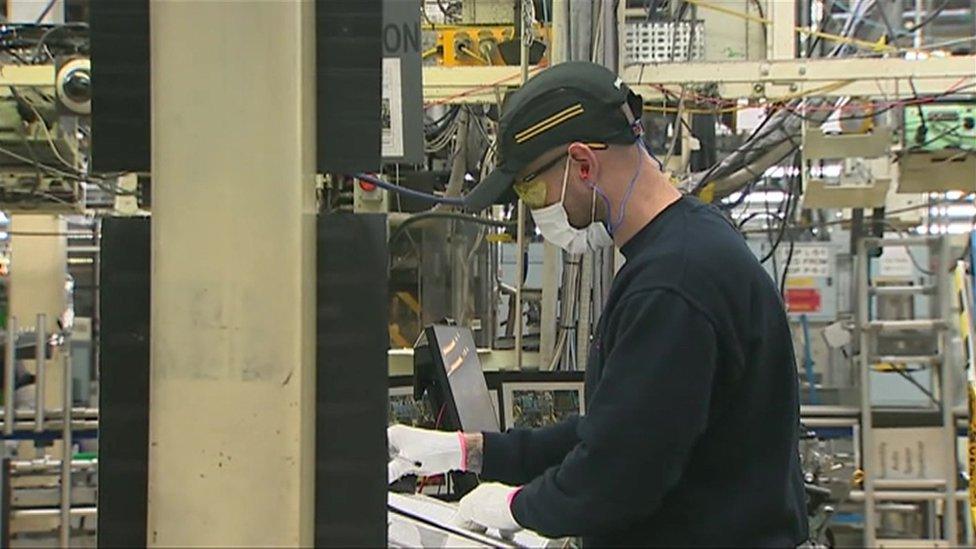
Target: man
pixel 692 413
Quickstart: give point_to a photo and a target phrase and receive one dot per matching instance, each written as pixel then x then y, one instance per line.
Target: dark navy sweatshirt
pixel 692 410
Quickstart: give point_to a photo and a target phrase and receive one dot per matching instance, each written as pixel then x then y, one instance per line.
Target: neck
pixel 653 193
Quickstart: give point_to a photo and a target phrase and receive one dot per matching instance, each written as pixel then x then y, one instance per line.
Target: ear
pixel 585 161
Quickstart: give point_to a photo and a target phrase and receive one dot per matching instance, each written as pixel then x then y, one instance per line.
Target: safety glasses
pixel 532 190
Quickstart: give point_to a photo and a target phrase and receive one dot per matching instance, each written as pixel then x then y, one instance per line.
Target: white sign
pixel 895 262
pixel 808 261
pixel 392 110
pixel 910 452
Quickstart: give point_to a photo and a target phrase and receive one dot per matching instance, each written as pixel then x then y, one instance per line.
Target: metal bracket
pixel 822 194
pixel 947 170
pixel 818 145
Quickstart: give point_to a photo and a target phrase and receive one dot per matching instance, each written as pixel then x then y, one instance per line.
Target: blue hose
pixel 453 201
pixel 808 360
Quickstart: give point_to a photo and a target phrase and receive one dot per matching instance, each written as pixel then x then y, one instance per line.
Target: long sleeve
pixel 644 418
pixel 520 455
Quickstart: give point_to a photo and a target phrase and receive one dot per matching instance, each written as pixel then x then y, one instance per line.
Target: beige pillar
pixel 782 32
pixel 232 397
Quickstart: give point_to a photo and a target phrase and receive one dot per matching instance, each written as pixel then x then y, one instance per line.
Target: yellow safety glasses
pixel 533 190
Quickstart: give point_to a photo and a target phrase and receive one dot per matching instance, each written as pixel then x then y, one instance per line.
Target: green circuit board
pixel 947 126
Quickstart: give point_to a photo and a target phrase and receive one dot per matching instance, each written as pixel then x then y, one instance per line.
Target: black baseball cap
pixel 568 102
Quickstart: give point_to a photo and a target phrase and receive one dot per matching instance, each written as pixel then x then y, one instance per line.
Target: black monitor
pixel 447 368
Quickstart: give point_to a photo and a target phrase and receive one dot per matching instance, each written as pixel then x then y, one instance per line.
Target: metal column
pixel 782 43
pixel 867 428
pixel 231 451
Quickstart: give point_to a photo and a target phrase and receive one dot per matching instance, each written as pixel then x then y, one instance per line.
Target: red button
pixel 366 185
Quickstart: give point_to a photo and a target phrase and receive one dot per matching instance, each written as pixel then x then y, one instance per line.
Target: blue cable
pixel 453 201
pixel 808 360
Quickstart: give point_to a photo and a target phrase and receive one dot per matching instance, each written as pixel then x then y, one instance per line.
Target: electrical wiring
pixel 745 220
pixel 453 201
pixel 443 136
pixel 951 131
pixel 903 233
pixel 775 144
pixel 47 132
pixel 476 89
pixel 74 176
pixel 928 18
pixel 886 106
pixel 919 386
pixel 953 42
pixel 437 425
pixel 728 179
pixel 677 129
pixel 36 57
pixel 729 106
pixel 769 234
pixel 888 212
pixel 45 11
pixel 874 46
pixel 55 171
pixel 794 183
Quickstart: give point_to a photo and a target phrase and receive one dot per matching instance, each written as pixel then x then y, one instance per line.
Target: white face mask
pixel 553 223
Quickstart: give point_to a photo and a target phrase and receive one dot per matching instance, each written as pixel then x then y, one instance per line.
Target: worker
pixel 690 435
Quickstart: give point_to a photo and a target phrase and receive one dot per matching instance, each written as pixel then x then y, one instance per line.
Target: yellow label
pixel 800 282
pixel 499 238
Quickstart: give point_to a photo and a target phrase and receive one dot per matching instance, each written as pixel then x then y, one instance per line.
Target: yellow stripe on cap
pixel 549 123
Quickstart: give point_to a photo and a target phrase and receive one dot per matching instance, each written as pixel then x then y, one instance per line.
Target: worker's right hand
pixel 423 452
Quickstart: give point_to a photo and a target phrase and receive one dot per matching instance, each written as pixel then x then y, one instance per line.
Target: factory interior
pixel 236 246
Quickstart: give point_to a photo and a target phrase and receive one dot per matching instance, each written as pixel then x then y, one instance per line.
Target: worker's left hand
pixel 489 506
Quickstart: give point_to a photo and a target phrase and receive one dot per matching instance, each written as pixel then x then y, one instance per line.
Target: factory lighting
pixel 828 171
pixel 955 210
pixel 951 228
pixel 757 197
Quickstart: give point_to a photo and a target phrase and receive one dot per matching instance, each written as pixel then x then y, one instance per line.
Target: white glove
pixel 423 452
pixel 489 506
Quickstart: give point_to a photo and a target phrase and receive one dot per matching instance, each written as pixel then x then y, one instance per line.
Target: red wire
pixel 470 91
pixel 722 103
pixel 437 424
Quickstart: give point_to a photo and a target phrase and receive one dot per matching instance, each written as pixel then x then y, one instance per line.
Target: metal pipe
pixel 30 513
pixel 946 377
pixel 10 358
pixel 51 466
pixel 66 450
pixel 40 359
pixel 525 28
pixel 906 495
pixel 867 431
pixel 910 484
pixel 519 283
pixel 815 422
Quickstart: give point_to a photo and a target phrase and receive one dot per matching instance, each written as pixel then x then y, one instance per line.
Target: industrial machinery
pixel 838 136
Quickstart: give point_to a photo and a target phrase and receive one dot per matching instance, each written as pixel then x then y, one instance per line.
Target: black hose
pixel 402 229
pixel 928 18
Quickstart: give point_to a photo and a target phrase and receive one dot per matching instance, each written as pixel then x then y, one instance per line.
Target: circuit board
pixel 947 126
pixel 406 410
pixel 538 408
